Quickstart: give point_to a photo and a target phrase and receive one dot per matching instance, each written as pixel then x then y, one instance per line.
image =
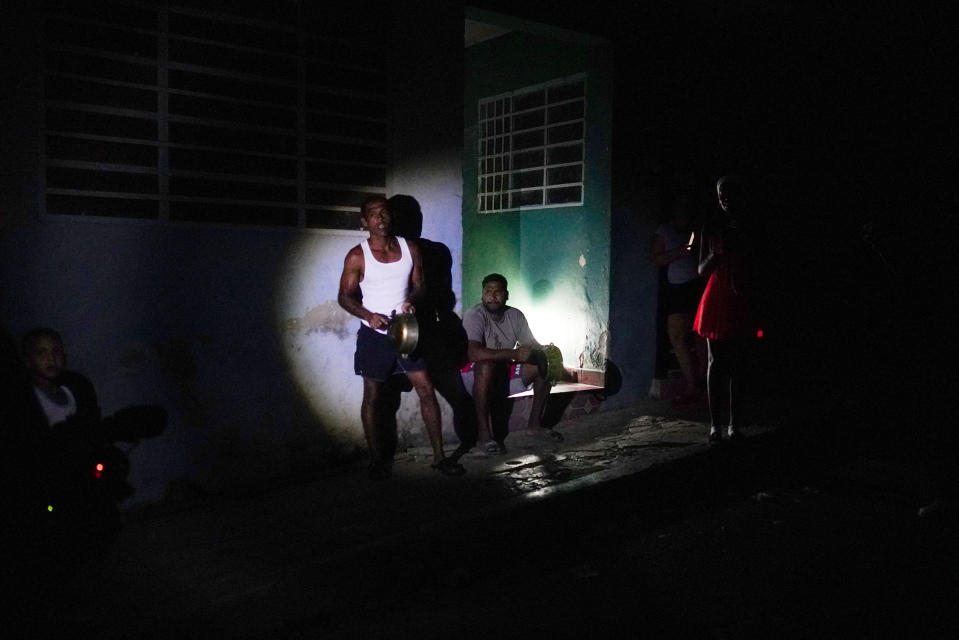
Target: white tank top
pixel 56 412
pixel 385 284
pixel 686 268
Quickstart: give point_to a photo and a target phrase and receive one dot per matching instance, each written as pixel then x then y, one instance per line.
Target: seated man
pixel 505 358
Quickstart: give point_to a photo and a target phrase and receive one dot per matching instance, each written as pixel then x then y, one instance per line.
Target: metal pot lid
pixel 403 333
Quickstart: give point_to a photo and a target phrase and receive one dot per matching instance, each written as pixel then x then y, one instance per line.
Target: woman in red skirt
pixel 725 316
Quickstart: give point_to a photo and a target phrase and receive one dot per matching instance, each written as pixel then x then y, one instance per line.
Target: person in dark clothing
pixel 442 339
pixel 725 317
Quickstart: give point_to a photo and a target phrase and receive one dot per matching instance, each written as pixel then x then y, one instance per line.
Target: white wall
pixel 234 330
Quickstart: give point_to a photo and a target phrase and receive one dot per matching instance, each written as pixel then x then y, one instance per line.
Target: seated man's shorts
pixel 515 378
pixel 375 357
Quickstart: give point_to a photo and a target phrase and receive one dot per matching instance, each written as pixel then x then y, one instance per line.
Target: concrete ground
pixel 633 521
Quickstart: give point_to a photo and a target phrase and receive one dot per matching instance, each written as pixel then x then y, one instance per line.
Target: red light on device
pixel 759 334
pixel 98 470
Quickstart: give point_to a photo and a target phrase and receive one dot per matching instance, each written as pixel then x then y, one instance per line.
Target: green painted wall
pixel 556 260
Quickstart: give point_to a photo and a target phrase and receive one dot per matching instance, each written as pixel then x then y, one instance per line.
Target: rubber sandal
pixel 494 448
pixel 449 467
pixel 545 433
pixel 459 452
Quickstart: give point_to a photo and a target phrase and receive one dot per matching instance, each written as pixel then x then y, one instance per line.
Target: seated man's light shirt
pixel 511 329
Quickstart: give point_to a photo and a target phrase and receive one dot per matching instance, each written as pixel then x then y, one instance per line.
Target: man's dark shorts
pixel 375 357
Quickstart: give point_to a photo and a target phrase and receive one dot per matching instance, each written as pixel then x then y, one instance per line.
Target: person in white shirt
pixel 675 249
pixel 505 358
pixel 383 275
pixel 45 358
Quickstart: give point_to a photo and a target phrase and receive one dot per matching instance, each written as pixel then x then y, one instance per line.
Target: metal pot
pixel 403 333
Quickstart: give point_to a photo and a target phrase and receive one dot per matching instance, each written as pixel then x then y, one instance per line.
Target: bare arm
pixel 475 351
pixel 417 288
pixel 661 256
pixel 349 294
pixel 710 253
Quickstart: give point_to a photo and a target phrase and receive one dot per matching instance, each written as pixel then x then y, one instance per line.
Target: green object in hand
pixel 555 371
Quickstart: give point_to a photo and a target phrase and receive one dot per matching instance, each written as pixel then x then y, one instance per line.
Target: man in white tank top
pixel 381 275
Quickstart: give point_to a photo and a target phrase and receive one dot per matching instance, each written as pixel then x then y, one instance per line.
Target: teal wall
pixel 556 260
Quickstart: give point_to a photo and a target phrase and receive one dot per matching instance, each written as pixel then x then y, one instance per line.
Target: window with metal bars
pixel 531 147
pixel 212 112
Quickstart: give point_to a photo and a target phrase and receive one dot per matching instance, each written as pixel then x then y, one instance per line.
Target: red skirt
pixel 723 313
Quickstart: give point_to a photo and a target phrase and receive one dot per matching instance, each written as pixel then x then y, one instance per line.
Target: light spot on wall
pixel 582 261
pixel 559 313
pixel 317 337
pixel 555 313
pixel 326 317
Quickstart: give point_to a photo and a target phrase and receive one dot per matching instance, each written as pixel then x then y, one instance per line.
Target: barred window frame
pixel 531 147
pixel 144 119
